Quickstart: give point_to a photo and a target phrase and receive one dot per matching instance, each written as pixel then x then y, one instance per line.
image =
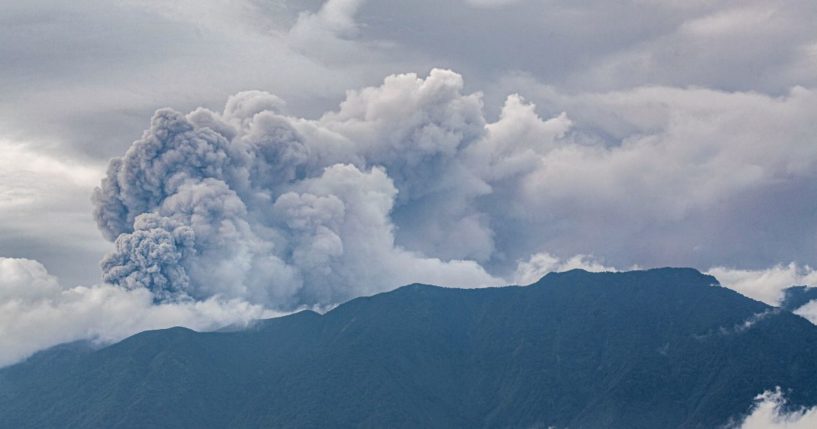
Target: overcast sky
pixel 465 142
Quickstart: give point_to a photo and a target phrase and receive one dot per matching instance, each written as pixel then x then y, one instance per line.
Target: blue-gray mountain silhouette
pixel 797 296
pixel 663 348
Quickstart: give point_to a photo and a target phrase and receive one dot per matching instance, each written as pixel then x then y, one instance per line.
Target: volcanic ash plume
pixel 252 203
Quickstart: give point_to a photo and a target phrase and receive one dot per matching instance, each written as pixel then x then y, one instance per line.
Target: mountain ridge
pixel 655 348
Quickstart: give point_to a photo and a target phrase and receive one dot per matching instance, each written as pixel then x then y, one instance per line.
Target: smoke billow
pixel 252 203
pixel 409 182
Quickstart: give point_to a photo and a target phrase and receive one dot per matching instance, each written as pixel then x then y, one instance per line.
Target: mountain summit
pixel 664 348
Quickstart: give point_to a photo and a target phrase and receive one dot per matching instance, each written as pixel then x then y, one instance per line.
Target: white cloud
pixel 668 176
pixel 768 414
pixel 36 313
pixel 808 311
pixel 765 285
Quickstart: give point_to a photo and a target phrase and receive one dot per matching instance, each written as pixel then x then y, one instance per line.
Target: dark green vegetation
pixel 651 349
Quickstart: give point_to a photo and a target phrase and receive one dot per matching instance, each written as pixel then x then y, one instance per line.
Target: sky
pixel 274 155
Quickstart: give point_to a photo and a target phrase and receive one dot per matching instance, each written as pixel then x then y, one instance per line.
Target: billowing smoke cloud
pixel 408 181
pixel 253 204
pixel 36 312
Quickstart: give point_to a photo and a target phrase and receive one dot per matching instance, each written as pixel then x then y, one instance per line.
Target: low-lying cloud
pixel 766 285
pixel 36 312
pixel 769 413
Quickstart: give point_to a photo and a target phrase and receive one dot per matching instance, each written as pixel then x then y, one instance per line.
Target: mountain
pixel 797 296
pixel 663 348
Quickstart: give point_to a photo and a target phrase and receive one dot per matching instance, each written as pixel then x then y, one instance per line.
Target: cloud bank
pixel 766 285
pixel 36 312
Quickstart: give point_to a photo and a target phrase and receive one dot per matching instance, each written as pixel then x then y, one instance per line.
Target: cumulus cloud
pixel 668 176
pixel 765 285
pixel 36 312
pixel 770 413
